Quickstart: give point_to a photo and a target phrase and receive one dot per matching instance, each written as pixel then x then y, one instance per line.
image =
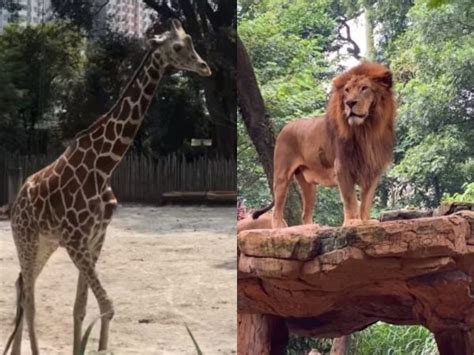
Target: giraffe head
pixel 176 48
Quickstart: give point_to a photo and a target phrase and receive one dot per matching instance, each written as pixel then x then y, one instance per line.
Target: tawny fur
pixel 351 144
pixel 262 222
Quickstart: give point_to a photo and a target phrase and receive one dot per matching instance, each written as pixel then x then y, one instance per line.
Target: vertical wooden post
pixel 261 334
pixel 341 346
pixel 455 341
pixel 15 179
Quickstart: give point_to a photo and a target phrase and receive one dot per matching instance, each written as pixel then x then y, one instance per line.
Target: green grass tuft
pixel 386 339
pixel 198 350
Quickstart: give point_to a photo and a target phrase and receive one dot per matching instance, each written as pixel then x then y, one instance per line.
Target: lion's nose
pixel 351 103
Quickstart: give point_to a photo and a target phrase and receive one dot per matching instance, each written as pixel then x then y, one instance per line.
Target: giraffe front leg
pixel 80 305
pixel 79 312
pixel 85 262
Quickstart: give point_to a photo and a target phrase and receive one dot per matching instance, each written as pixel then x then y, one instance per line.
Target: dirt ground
pixel 163 267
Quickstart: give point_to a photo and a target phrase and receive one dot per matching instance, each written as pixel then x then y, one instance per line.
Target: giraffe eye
pixel 177 47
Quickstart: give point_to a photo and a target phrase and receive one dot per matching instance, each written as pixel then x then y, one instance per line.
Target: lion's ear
pixel 385 79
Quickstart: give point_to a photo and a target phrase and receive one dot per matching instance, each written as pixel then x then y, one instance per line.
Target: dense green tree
pixel 36 64
pixel 195 107
pixel 212 24
pixel 433 62
pixel 177 114
pixel 81 14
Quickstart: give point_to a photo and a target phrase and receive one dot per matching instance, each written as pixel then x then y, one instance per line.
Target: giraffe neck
pixel 108 139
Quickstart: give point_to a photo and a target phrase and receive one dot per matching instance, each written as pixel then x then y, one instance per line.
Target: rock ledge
pixel 330 282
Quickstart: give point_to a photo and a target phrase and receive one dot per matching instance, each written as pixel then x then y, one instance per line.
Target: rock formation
pixel 329 282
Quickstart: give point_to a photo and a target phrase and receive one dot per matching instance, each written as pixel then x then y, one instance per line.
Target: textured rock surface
pixel 329 282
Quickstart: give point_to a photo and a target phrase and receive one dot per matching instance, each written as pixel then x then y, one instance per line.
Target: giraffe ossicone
pixel 70 202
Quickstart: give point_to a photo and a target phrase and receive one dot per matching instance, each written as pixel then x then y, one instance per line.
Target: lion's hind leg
pixel 280 190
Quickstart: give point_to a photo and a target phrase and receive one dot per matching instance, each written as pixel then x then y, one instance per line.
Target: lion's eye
pixel 346 89
pixel 177 47
pixel 363 88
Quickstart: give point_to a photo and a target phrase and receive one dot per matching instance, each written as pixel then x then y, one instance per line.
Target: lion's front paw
pixel 357 222
pixel 279 223
pixel 371 221
pixel 352 222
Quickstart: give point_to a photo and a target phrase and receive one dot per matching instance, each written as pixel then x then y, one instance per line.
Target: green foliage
pixel 328 207
pixel 437 3
pixel 466 196
pixel 286 43
pixel 196 345
pixel 386 339
pixel 36 64
pixel 109 63
pixel 54 83
pixel 176 115
pixel 79 13
pixel 433 63
pixel 298 345
pixel 86 337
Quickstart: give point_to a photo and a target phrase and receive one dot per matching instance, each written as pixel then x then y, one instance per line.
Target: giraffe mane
pixel 98 122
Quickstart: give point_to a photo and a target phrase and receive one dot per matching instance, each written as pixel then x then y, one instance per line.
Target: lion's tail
pixel 19 311
pixel 261 211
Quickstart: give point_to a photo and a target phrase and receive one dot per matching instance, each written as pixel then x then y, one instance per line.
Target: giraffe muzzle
pixel 204 69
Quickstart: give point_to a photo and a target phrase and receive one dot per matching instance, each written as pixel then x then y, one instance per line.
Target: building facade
pixel 130 17
pixel 31 12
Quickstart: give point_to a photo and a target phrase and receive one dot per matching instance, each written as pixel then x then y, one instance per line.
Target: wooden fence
pixel 140 178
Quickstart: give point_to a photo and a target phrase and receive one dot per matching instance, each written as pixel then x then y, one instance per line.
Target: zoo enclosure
pixel 140 178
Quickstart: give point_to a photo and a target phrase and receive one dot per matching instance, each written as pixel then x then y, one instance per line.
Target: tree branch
pixel 355 50
pixel 100 7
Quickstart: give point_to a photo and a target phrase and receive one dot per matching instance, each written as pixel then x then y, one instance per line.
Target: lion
pixel 260 219
pixel 351 144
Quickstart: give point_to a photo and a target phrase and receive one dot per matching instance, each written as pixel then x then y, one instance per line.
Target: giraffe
pixel 70 202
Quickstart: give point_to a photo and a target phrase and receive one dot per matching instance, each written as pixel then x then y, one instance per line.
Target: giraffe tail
pixel 19 311
pixel 261 211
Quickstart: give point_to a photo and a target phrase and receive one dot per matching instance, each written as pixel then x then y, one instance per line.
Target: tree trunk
pixel 252 108
pixel 261 334
pixel 456 342
pixel 259 127
pixel 341 346
pixel 369 33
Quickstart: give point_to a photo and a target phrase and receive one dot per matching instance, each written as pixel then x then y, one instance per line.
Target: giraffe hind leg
pixel 18 330
pixel 33 255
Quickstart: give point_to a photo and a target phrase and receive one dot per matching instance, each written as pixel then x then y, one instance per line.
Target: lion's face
pixel 358 96
pixel 362 100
